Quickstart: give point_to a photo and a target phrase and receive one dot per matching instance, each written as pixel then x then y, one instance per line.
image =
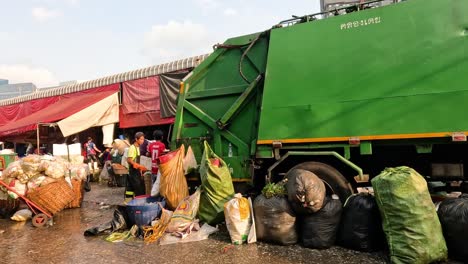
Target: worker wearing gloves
pixel 135 179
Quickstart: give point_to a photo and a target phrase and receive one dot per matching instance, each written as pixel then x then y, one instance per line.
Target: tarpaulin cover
pixel 101 113
pixel 142 119
pixel 141 105
pixel 66 105
pixel 169 89
pixel 141 95
pixel 409 217
pixel 11 113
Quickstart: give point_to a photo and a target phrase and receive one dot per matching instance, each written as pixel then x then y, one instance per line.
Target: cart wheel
pixel 39 220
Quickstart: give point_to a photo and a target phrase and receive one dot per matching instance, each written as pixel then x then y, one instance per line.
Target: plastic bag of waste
pixel 274 220
pixel 173 185
pixel 361 224
pixel 13 170
pixel 190 163
pixel 306 191
pixel 185 213
pixel 19 187
pixel 453 215
pixel 405 204
pixel 238 218
pixel 318 230
pixel 199 235
pixel 55 170
pixel 252 237
pixel 216 183
pixel 156 185
pixel 22 215
pixel 118 223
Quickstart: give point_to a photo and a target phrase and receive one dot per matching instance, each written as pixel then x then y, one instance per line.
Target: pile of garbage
pixel 174 216
pixel 300 209
pixel 33 173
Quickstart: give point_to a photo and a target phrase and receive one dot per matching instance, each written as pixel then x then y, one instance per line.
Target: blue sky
pixel 48 41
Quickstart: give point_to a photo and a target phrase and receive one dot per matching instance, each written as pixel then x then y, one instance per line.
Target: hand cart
pixel 40 217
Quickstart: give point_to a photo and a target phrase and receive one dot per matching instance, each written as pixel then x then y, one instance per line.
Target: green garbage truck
pixel 343 94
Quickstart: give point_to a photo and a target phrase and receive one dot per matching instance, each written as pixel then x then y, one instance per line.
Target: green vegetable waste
pixel 274 190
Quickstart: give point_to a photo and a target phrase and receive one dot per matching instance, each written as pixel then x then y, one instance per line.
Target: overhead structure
pixel 80 106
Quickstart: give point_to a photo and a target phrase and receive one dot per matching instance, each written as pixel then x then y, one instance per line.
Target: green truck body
pixel 374 88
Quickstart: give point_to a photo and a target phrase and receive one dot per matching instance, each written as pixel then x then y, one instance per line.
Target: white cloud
pixel 207 5
pixel 43 14
pixel 18 73
pixel 230 12
pixel 176 40
pixel 73 2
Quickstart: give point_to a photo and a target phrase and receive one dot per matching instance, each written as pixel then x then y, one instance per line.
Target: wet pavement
pixel 63 242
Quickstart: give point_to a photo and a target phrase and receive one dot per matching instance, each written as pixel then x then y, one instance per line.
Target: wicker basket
pixel 52 197
pixel 78 190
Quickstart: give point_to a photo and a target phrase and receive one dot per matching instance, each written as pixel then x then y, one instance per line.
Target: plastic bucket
pixel 141 211
pixel 8 158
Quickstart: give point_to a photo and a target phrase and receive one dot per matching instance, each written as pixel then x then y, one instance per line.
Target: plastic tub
pixel 141 211
pixel 7 159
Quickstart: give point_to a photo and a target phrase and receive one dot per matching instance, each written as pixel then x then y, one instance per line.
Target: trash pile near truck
pixel 50 182
pixel 397 215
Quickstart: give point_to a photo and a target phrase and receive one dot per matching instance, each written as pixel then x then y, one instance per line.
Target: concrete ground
pixel 64 242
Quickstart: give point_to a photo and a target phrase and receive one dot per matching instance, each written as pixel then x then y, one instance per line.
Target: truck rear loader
pixel 343 94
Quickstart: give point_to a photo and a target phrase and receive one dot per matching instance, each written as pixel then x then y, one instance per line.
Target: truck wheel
pixel 332 178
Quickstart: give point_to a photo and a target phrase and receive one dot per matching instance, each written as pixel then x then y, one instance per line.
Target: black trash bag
pixel 318 230
pixel 453 215
pixel 274 220
pixel 306 191
pixel 118 223
pixel 361 225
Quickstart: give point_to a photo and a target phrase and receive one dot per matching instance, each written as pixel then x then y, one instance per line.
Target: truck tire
pixel 332 178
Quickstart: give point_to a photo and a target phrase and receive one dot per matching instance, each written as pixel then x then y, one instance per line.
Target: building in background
pixel 8 90
pixel 329 5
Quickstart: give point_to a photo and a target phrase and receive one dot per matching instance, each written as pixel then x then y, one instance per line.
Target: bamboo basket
pixel 78 190
pixel 52 197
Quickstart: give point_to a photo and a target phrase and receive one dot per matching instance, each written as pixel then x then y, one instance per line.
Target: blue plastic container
pixel 141 211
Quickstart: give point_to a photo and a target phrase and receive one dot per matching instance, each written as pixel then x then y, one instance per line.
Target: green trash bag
pixel 409 217
pixel 217 188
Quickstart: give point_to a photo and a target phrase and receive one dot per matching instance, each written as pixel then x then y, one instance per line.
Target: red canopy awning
pixel 10 113
pixel 64 107
pixel 152 118
pixel 141 104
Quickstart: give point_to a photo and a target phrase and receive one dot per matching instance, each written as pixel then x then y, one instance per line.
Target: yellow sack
pixel 238 218
pixel 173 183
